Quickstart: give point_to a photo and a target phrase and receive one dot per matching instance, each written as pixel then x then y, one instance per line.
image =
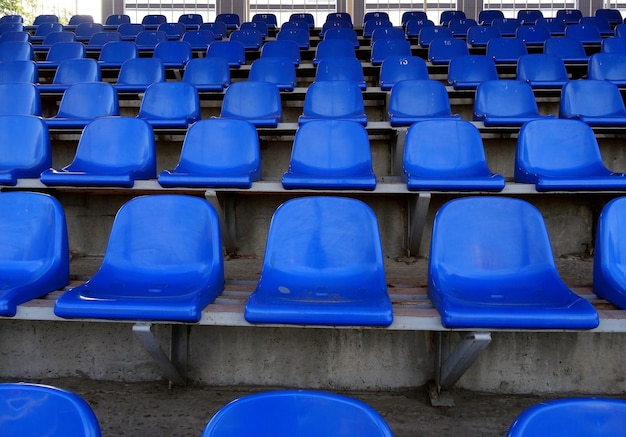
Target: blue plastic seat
pixel 383 48
pixel 16 51
pixel 506 26
pixel 233 51
pixel 191 21
pixel 257 102
pixel 613 45
pixel 347 33
pixel 505 103
pixel 323 265
pixel 62 51
pixel 596 102
pixel 152 21
pixel 332 24
pixel 113 54
pixel 447 155
pixel 412 15
pixel 529 16
pixel 84 31
pixel 207 74
pixel 147 40
pixel 199 39
pixel 217 27
pixel 34 250
pixel 603 25
pixel 443 50
pixel 18 71
pixel 486 16
pixel 259 26
pixel 506 50
pixel 137 74
pixel 71 72
pixel 279 71
pixel 164 254
pixel 300 36
pixel 105 156
pixel 562 155
pixel 428 33
pixel 397 68
pixel 99 39
pixel 335 68
pixel 460 26
pixel 52 39
pixel 33 154
pixel 44 29
pixel 446 16
pixel 556 26
pixel 251 39
pixel 467 71
pixel 231 20
pixel 129 31
pixel 608 66
pixel 11 26
pixel 387 33
pixel 491 266
pixel 333 47
pixel 270 20
pixel 295 24
pixel 12 18
pixel 303 16
pixel 113 21
pixel 620 30
pixel 15 36
pixel 542 70
pixel 572 417
pixel 334 99
pixel 431 95
pixel 585 33
pixel 19 99
pixel 571 16
pixel 375 15
pixel 282 49
pixel 28 408
pixel 533 35
pixel 613 16
pixel 330 154
pixel 413 27
pixel 173 54
pixel 609 275
pixel 570 50
pixel 479 36
pixel 174 31
pixel 173 104
pixel 217 153
pixel 296 413
pixel 341 16
pixel 77 19
pixel 370 25
pixel 82 103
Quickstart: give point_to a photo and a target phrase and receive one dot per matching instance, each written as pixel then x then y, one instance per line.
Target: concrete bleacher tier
pixel 222 347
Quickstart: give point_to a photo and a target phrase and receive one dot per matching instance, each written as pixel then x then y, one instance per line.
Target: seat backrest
pixel 217 27
pixel 333 47
pixel 153 19
pixel 44 29
pixel 99 39
pixel 566 48
pixel 150 38
pixel 396 68
pixel 505 98
pixel 21 36
pixel 541 67
pixel 301 413
pixel 77 19
pixel 129 31
pixel 11 26
pixel 340 69
pixel 45 18
pixel 479 36
pixel 279 71
pixel 333 99
pixel 442 50
pixel 141 71
pixel 231 20
pixel 233 51
pixel 370 25
pixel 16 51
pixel 61 51
pixel 207 73
pixel 414 26
pixel 591 98
pixel 191 19
pixel 334 24
pixel 385 47
pixel 172 30
pixel 614 16
pixel 178 52
pixel 412 15
pixel 333 149
pixel 118 52
pixel 170 100
pixel 471 69
pixel 460 26
pixel 585 33
pixel 104 147
pixel 556 148
pixel 89 100
pixel 533 34
pixel 506 49
pixel 86 30
pixel 428 33
pixel 116 19
pixel 57 37
pixel 269 19
pixel 301 36
pixel 614 45
pixel 19 99
pixel 576 417
pixel 252 101
pixel 506 26
pixel 571 16
pixel 343 16
pixel 250 38
pixel 78 70
pixel 387 32
pixel 18 71
pixel 431 94
pixel 486 16
pixel 430 144
pixel 199 39
pixel 260 26
pixel 28 408
pixel 342 33
pixel 603 24
pixel 529 16
pixel 446 16
pixel 307 17
pixel 33 155
pixel 375 15
pixel 14 18
pixel 283 48
pixel 607 66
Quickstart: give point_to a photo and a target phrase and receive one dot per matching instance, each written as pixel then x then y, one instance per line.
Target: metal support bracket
pixel 226 213
pixel 174 365
pixel 397 153
pixel 418 209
